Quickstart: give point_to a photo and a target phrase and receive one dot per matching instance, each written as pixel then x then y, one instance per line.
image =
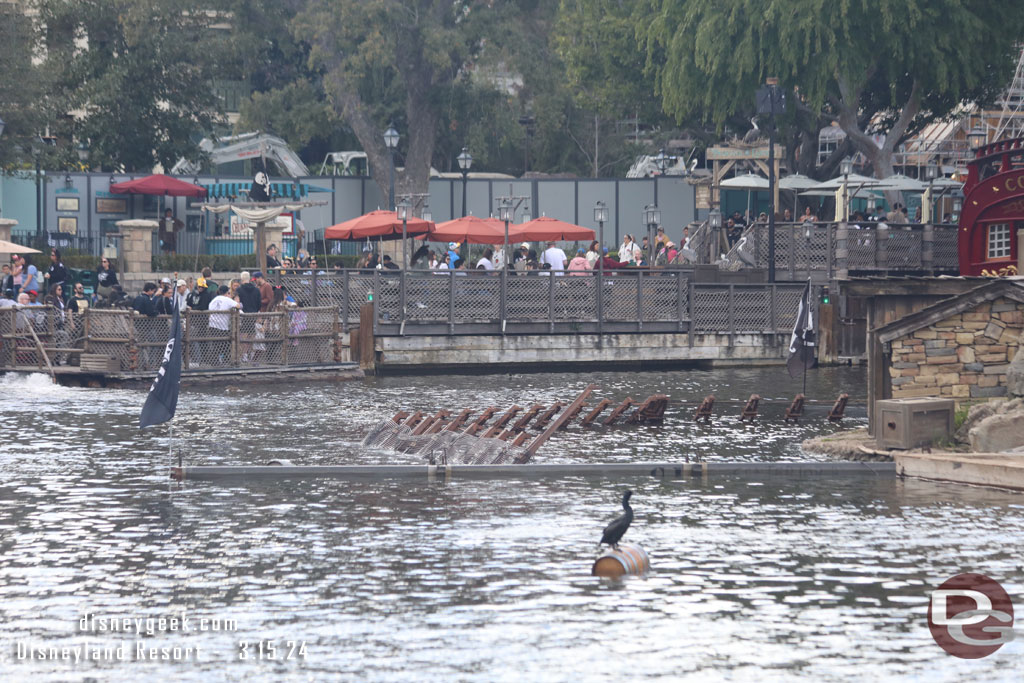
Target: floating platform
pixel 657 470
pixel 74 376
pixel 1002 470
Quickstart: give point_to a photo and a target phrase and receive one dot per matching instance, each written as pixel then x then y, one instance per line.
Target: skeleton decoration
pixel 260 190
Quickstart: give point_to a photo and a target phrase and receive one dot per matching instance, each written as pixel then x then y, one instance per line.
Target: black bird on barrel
pixel 614 532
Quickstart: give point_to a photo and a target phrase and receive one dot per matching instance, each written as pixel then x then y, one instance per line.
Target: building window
pixel 999 241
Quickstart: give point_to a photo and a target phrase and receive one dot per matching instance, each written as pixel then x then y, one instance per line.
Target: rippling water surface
pixel 752 578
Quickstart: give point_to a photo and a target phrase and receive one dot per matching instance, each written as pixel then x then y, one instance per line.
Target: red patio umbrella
pixel 383 224
pixel 547 229
pixel 473 230
pixel 159 184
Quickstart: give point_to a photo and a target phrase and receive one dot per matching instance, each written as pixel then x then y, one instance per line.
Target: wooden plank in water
pixel 414 419
pixel 548 414
pixel 523 421
pixel 457 423
pixel 430 422
pixel 651 411
pixel 749 412
pixel 480 421
pixel 546 434
pixel 795 409
pixel 619 411
pixel 598 409
pixel 571 415
pixel 497 427
pixel 704 409
pixel 836 414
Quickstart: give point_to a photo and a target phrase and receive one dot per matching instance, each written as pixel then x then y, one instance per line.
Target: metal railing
pixel 211 340
pixel 835 250
pixel 497 302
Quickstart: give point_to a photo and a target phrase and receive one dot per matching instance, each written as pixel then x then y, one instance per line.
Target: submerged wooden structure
pixel 442 439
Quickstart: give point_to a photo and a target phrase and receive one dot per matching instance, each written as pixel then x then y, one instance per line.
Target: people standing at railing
pixel 248 294
pixel 272 261
pixel 31 281
pixel 579 264
pixel 106 278
pixel 210 284
pixel 220 324
pixel 554 257
pixel 60 322
pixel 18 265
pixel 609 263
pixel 6 282
pixel 420 259
pixel 164 300
pixel 894 216
pixel 266 291
pixel 432 262
pixel 787 216
pixel 485 263
pixel 629 251
pixel 453 253
pixel 445 262
pixel 386 262
pixel 200 297
pixel 520 256
pixel 808 215
pixel 181 295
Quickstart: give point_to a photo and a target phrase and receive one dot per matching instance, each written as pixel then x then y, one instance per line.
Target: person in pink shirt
pixel 579 263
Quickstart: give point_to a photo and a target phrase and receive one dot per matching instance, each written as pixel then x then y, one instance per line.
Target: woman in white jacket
pixel 629 251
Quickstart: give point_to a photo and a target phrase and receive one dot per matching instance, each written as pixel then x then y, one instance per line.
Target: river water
pixel 824 579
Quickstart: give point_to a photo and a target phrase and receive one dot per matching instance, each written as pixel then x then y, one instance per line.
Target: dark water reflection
pixel 826 579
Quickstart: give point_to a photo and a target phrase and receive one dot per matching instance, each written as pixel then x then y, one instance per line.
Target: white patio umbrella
pixel 900 183
pixel 748 182
pixel 794 183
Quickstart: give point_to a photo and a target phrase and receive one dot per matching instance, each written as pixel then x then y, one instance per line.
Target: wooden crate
pixel 95 362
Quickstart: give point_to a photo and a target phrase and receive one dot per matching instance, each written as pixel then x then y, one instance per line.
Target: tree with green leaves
pixel 886 67
pixel 377 54
pixel 22 88
pixel 131 80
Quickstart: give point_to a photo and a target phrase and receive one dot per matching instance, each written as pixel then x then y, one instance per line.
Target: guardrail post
pixel 235 331
pixel 376 300
pixel 344 300
pixel 551 301
pixel 732 314
pixel 842 243
pixel 640 300
pixel 451 301
pixel 882 247
pixel 316 287
pixel 690 311
pixel 503 274
pixel 928 247
pixel 761 263
pixel 402 301
pixel 680 313
pixel 792 252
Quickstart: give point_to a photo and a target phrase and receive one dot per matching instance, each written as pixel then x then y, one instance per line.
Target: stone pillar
pixel 928 247
pixel 137 245
pixel 6 224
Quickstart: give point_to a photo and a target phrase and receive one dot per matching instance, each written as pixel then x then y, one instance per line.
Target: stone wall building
pixel 960 347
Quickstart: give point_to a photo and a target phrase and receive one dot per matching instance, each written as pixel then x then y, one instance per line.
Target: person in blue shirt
pixel 453 253
pixel 31 279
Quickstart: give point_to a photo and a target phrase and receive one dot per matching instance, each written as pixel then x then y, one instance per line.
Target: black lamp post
pixel 715 223
pixel 771 100
pixel 465 160
pixel 506 212
pixel 403 215
pixel 600 216
pixel 846 168
pixel 652 217
pixel 931 172
pixel 391 142
pixel 977 137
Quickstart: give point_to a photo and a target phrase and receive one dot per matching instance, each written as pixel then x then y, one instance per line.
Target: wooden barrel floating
pixel 628 559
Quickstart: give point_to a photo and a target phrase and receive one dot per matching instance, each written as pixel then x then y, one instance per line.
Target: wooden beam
pixel 571 415
pixel 459 421
pixel 619 411
pixel 598 409
pixel 521 423
pixel 480 421
pixel 548 414
pixel 546 434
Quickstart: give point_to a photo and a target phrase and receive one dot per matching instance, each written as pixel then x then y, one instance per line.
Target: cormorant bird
pixel 614 532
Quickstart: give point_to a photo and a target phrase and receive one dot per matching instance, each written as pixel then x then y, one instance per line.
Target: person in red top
pixel 609 263
pixel 266 291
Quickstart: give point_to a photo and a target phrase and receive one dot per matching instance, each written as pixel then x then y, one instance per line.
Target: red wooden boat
pixel 993 210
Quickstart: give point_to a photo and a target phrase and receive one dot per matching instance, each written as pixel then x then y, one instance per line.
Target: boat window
pixel 999 240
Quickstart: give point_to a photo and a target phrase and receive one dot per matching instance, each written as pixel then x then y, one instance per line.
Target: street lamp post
pixel 403 214
pixel 846 168
pixel 506 212
pixel 600 215
pixel 391 142
pixel 465 160
pixel 652 217
pixel 715 224
pixel 769 101
pixel 931 172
